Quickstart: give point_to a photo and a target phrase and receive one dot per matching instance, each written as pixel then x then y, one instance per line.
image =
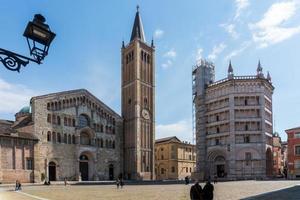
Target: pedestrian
pixel 122 183
pixel 208 191
pixel 65 180
pixel 17 185
pixel 187 181
pixel 215 178
pixel 196 192
pixel 118 183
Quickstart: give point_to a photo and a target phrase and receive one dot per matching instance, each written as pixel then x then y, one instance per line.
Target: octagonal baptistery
pixel 233 124
pixel 80 137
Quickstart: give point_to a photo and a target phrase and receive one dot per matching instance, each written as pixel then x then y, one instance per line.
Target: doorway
pixel 111 172
pixel 84 167
pixel 220 171
pixel 52 171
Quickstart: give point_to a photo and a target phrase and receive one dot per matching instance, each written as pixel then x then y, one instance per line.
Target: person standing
pixel 65 181
pixel 208 191
pixel 196 191
pixel 215 178
pixel 118 183
pixel 121 182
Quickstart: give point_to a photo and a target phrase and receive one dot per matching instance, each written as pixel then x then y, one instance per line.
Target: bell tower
pixel 138 105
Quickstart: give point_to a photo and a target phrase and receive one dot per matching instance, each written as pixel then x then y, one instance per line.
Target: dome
pixel 25 109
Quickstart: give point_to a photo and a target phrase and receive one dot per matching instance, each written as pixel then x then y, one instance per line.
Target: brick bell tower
pixel 138 105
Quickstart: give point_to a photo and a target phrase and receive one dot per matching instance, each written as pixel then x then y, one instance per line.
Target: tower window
pixel 246 127
pixel 129 101
pixel 218 130
pixel 217 141
pixel 246 102
pixel 217 118
pixel 145 101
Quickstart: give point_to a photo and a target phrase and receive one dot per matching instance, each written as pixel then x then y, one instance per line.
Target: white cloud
pixel 181 129
pixel 270 29
pixel 240 6
pixel 170 54
pixel 238 51
pixel 158 33
pixel 167 64
pixel 199 54
pixel 13 97
pixel 217 49
pixel 230 29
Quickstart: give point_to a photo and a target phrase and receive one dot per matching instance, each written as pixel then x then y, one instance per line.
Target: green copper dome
pixel 25 109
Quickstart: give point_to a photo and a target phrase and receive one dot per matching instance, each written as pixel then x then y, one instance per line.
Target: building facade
pixel 74 135
pixel 174 159
pixel 277 156
pixel 233 120
pixel 293 153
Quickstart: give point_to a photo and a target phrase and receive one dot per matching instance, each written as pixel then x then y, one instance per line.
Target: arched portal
pixel 111 171
pixel 84 167
pixel 52 171
pixel 220 166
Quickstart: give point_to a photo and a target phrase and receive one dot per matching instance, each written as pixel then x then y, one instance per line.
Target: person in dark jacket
pixel 196 191
pixel 208 191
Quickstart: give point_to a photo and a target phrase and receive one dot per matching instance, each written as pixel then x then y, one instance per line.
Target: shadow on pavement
pixel 292 193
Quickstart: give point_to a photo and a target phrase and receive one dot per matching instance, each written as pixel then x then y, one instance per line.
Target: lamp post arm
pixel 13 61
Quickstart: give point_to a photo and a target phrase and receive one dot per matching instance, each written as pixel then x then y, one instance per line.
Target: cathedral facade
pixel 74 135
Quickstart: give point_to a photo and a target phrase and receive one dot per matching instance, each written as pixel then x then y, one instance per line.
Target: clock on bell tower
pixel 138 105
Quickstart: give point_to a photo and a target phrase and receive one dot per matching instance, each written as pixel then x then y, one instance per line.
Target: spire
pixel 269 77
pixel 137 29
pixel 152 43
pixel 230 70
pixel 259 68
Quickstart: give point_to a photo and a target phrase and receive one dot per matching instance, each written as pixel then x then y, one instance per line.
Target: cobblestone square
pixel 223 191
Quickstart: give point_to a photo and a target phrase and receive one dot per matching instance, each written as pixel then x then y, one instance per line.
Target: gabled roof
pixel 167 139
pixel 77 91
pixel 137 29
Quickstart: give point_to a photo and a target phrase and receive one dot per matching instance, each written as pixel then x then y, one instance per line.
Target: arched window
pixel 59 105
pixel 53 137
pixel 113 145
pixel 53 119
pixel 85 138
pixel 65 139
pixel 49 118
pixel 106 143
pixel 49 136
pixel 69 122
pixel 58 138
pixel 69 139
pixel 65 121
pixel 58 120
pixel 48 106
pixel 83 121
pixel 73 139
pixel 73 122
pixel 110 144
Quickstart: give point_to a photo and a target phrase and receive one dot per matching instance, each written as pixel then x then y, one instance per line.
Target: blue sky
pixel 86 51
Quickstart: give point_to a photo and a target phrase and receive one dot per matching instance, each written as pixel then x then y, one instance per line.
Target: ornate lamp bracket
pixel 13 61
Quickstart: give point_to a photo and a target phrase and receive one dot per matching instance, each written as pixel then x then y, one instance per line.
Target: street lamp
pixel 39 38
